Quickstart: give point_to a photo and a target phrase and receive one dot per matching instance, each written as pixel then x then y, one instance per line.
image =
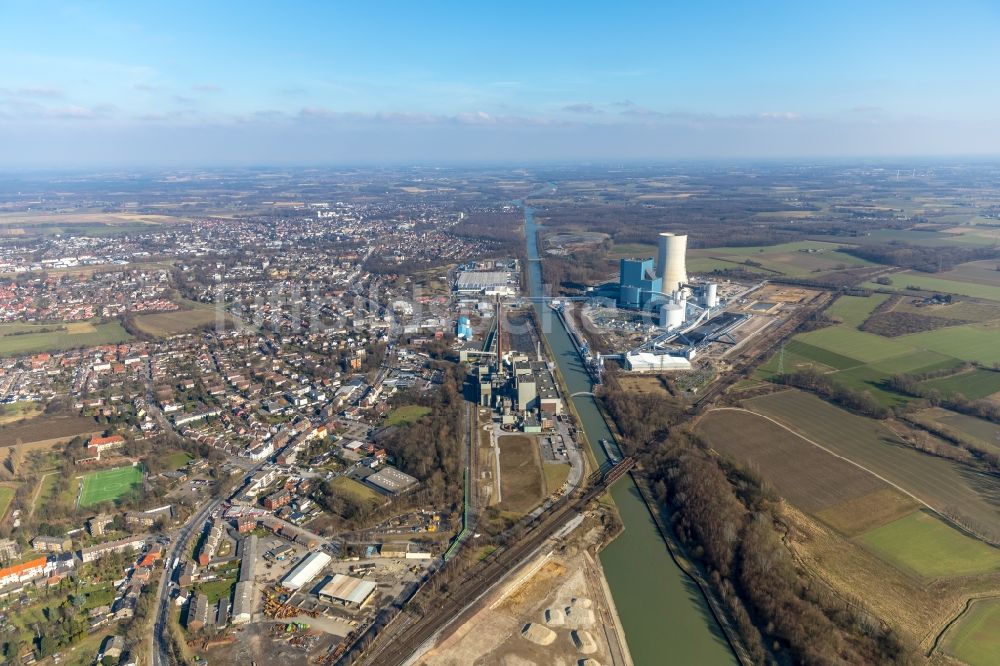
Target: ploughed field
pixel 522 484
pixel 945 485
pixel 866 538
pixel 840 478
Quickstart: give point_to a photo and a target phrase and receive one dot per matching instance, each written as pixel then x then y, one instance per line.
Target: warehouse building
pixel 348 591
pixel 306 570
pixel 649 362
pixel 242 603
pixel 489 283
pixel 391 480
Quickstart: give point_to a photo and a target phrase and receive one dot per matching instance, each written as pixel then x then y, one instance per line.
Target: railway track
pixel 757 352
pixel 409 631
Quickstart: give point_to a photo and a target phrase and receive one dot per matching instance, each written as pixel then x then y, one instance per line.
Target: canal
pixel 664 614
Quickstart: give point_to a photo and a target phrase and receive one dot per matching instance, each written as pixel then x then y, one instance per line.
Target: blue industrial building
pixel 638 283
pixel 464 328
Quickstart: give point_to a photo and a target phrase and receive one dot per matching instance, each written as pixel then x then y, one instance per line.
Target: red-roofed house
pixel 20 573
pixel 96 445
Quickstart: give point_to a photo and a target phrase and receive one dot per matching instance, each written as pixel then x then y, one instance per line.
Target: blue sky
pixel 331 82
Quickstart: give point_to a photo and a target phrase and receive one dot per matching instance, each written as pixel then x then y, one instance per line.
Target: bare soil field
pixel 948 487
pixel 645 384
pixel 522 484
pixel 867 512
pixel 47 430
pixel 805 475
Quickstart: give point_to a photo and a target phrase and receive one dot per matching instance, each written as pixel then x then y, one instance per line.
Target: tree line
pixel 810 379
pixel 927 259
pixel 731 525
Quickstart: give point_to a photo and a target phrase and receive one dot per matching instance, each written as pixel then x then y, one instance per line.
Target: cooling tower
pixel 670 263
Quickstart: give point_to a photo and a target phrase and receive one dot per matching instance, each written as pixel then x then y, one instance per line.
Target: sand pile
pixel 583 641
pixel 538 634
pixel 589 662
pixel 581 617
pixel 554 617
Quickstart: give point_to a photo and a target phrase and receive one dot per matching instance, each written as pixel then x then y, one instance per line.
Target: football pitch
pixel 109 484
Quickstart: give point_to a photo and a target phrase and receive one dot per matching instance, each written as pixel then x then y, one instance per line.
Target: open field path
pixel 940 511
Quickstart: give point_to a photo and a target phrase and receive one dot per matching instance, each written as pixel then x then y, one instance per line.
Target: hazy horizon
pixel 115 84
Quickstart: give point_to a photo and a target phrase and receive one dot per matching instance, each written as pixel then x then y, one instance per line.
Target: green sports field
pixel 109 484
pixel 976 638
pixel 931 548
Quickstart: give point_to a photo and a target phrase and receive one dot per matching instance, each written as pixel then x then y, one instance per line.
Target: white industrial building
pixel 306 570
pixel 489 283
pixel 650 362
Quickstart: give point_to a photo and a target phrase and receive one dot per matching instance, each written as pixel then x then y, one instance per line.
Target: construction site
pixel 555 610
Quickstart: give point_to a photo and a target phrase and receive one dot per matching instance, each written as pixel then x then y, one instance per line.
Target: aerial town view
pixel 338 335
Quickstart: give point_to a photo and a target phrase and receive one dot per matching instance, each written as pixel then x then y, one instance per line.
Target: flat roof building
pixel 391 480
pixel 485 282
pixel 306 570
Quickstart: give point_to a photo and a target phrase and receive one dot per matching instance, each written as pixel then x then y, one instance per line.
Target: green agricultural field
pixel 854 310
pixel 18 339
pixel 900 281
pixel 868 378
pixel 821 355
pixel 975 342
pixel 981 429
pixel 192 315
pixel 629 250
pixel 109 484
pixel 929 547
pixel 917 362
pixel 6 497
pixel 975 639
pixel 974 384
pixel 852 343
pixel 933 238
pixel 799 355
pixel 406 414
pixel 798 259
pixel 709 264
pixel 978 272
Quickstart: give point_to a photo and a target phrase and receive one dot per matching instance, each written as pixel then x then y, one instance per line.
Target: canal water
pixel 665 617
